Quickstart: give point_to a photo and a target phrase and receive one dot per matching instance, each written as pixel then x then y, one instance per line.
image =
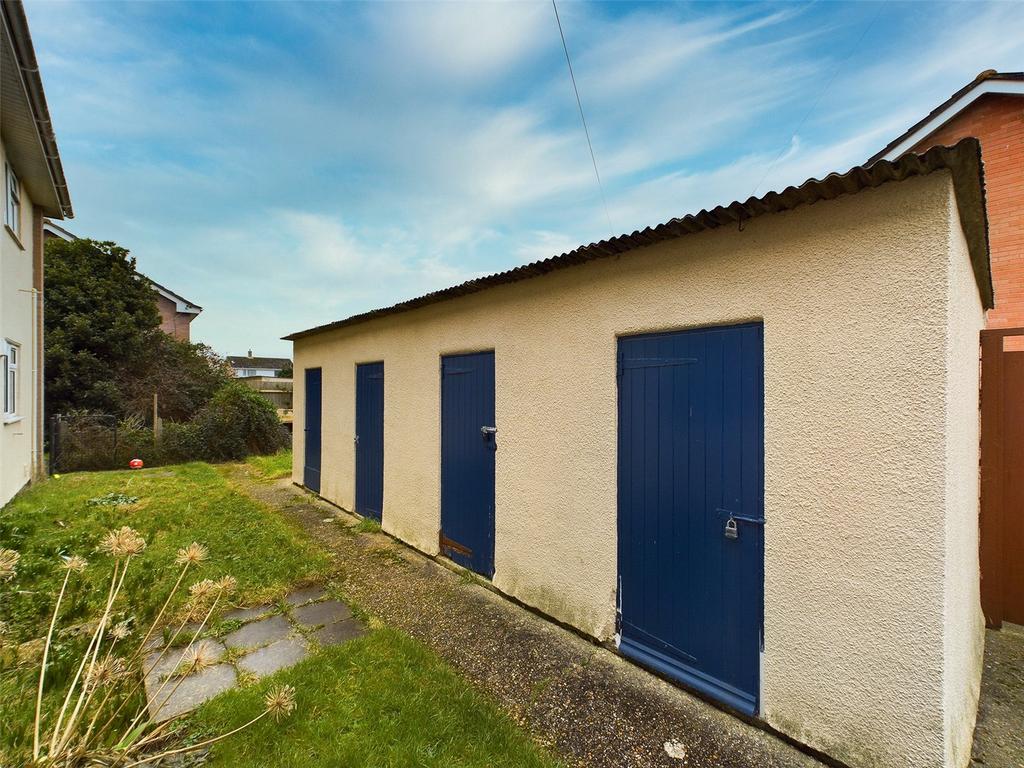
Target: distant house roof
pixel 181 304
pixel 962 160
pixel 268 363
pixel 27 131
pixel 987 82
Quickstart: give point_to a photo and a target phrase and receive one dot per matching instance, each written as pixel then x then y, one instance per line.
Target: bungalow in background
pixel 33 187
pixel 247 365
pixel 176 312
pixel 991 110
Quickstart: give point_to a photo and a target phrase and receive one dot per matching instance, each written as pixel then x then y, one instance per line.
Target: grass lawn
pixel 272 467
pixel 175 506
pixel 382 700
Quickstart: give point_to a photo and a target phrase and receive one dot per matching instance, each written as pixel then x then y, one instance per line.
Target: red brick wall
pixel 173 323
pixel 997 121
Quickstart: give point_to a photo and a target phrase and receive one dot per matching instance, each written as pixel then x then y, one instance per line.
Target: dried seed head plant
pixel 198 657
pixel 8 564
pixel 194 554
pixel 122 543
pixel 84 731
pixel 280 702
pixel 75 563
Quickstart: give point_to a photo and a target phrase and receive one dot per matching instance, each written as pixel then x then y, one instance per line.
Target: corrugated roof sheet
pixel 963 160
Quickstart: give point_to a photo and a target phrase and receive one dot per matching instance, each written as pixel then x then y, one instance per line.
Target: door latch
pixel 488 431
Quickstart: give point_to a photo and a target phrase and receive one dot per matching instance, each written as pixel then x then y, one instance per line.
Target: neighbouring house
pixel 248 365
pixel 33 187
pixel 742 445
pixel 991 109
pixel 176 312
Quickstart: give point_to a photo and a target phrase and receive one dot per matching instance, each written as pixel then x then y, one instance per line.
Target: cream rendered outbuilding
pixel 871 303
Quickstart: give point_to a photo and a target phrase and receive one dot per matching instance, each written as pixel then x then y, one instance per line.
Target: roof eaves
pixel 183 305
pixel 963 161
pixel 988 81
pixel 13 12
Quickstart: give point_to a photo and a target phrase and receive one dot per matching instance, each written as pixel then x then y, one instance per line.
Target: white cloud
pixel 300 163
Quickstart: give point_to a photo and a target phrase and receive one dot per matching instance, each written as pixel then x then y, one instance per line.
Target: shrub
pixel 239 422
pixel 182 442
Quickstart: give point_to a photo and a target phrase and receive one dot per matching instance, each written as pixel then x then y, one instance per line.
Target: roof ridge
pixel 963 160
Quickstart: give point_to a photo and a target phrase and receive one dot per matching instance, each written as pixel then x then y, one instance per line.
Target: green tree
pixel 184 376
pixel 99 320
pixel 105 351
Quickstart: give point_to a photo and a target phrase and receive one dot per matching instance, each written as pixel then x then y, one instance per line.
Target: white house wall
pixel 17 323
pixel 870 320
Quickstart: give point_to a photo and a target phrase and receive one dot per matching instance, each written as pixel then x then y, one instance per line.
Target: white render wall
pixel 17 323
pixel 964 622
pixel 870 328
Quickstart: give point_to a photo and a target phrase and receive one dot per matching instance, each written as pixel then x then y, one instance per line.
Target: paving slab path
pixel 265 643
pixel 588 705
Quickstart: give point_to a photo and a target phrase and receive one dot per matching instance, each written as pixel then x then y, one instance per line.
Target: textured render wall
pixel 16 324
pixel 964 621
pixel 853 297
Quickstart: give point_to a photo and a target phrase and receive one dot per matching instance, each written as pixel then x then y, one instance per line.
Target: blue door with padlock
pixel 691 507
pixel 369 440
pixel 468 445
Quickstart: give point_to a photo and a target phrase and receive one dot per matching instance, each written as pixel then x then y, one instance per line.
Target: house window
pixel 11 358
pixel 12 209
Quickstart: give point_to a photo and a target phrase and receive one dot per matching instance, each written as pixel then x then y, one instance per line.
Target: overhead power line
pixel 583 119
pixel 814 105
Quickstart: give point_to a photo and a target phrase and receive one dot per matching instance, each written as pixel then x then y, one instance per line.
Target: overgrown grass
pixel 383 700
pixel 176 505
pixel 367 525
pixel 272 467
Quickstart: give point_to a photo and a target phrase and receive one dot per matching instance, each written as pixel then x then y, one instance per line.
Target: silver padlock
pixel 731 532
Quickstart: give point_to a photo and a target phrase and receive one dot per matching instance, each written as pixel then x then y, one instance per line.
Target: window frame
pixel 11 364
pixel 12 200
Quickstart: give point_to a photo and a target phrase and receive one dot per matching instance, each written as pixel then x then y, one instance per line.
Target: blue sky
pixel 289 164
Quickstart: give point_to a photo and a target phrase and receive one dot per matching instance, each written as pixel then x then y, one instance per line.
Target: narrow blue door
pixel 691 506
pixel 311 447
pixel 369 440
pixel 468 444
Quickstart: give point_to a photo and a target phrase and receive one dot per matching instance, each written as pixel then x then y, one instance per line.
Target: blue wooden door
pixel 468 444
pixel 369 440
pixel 311 446
pixel 691 506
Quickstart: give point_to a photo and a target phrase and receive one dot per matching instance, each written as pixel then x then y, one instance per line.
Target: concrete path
pixel 588 705
pixel 999 734
pixel 267 641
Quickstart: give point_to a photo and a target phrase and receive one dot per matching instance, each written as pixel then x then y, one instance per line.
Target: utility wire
pixel 583 119
pixel 835 73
